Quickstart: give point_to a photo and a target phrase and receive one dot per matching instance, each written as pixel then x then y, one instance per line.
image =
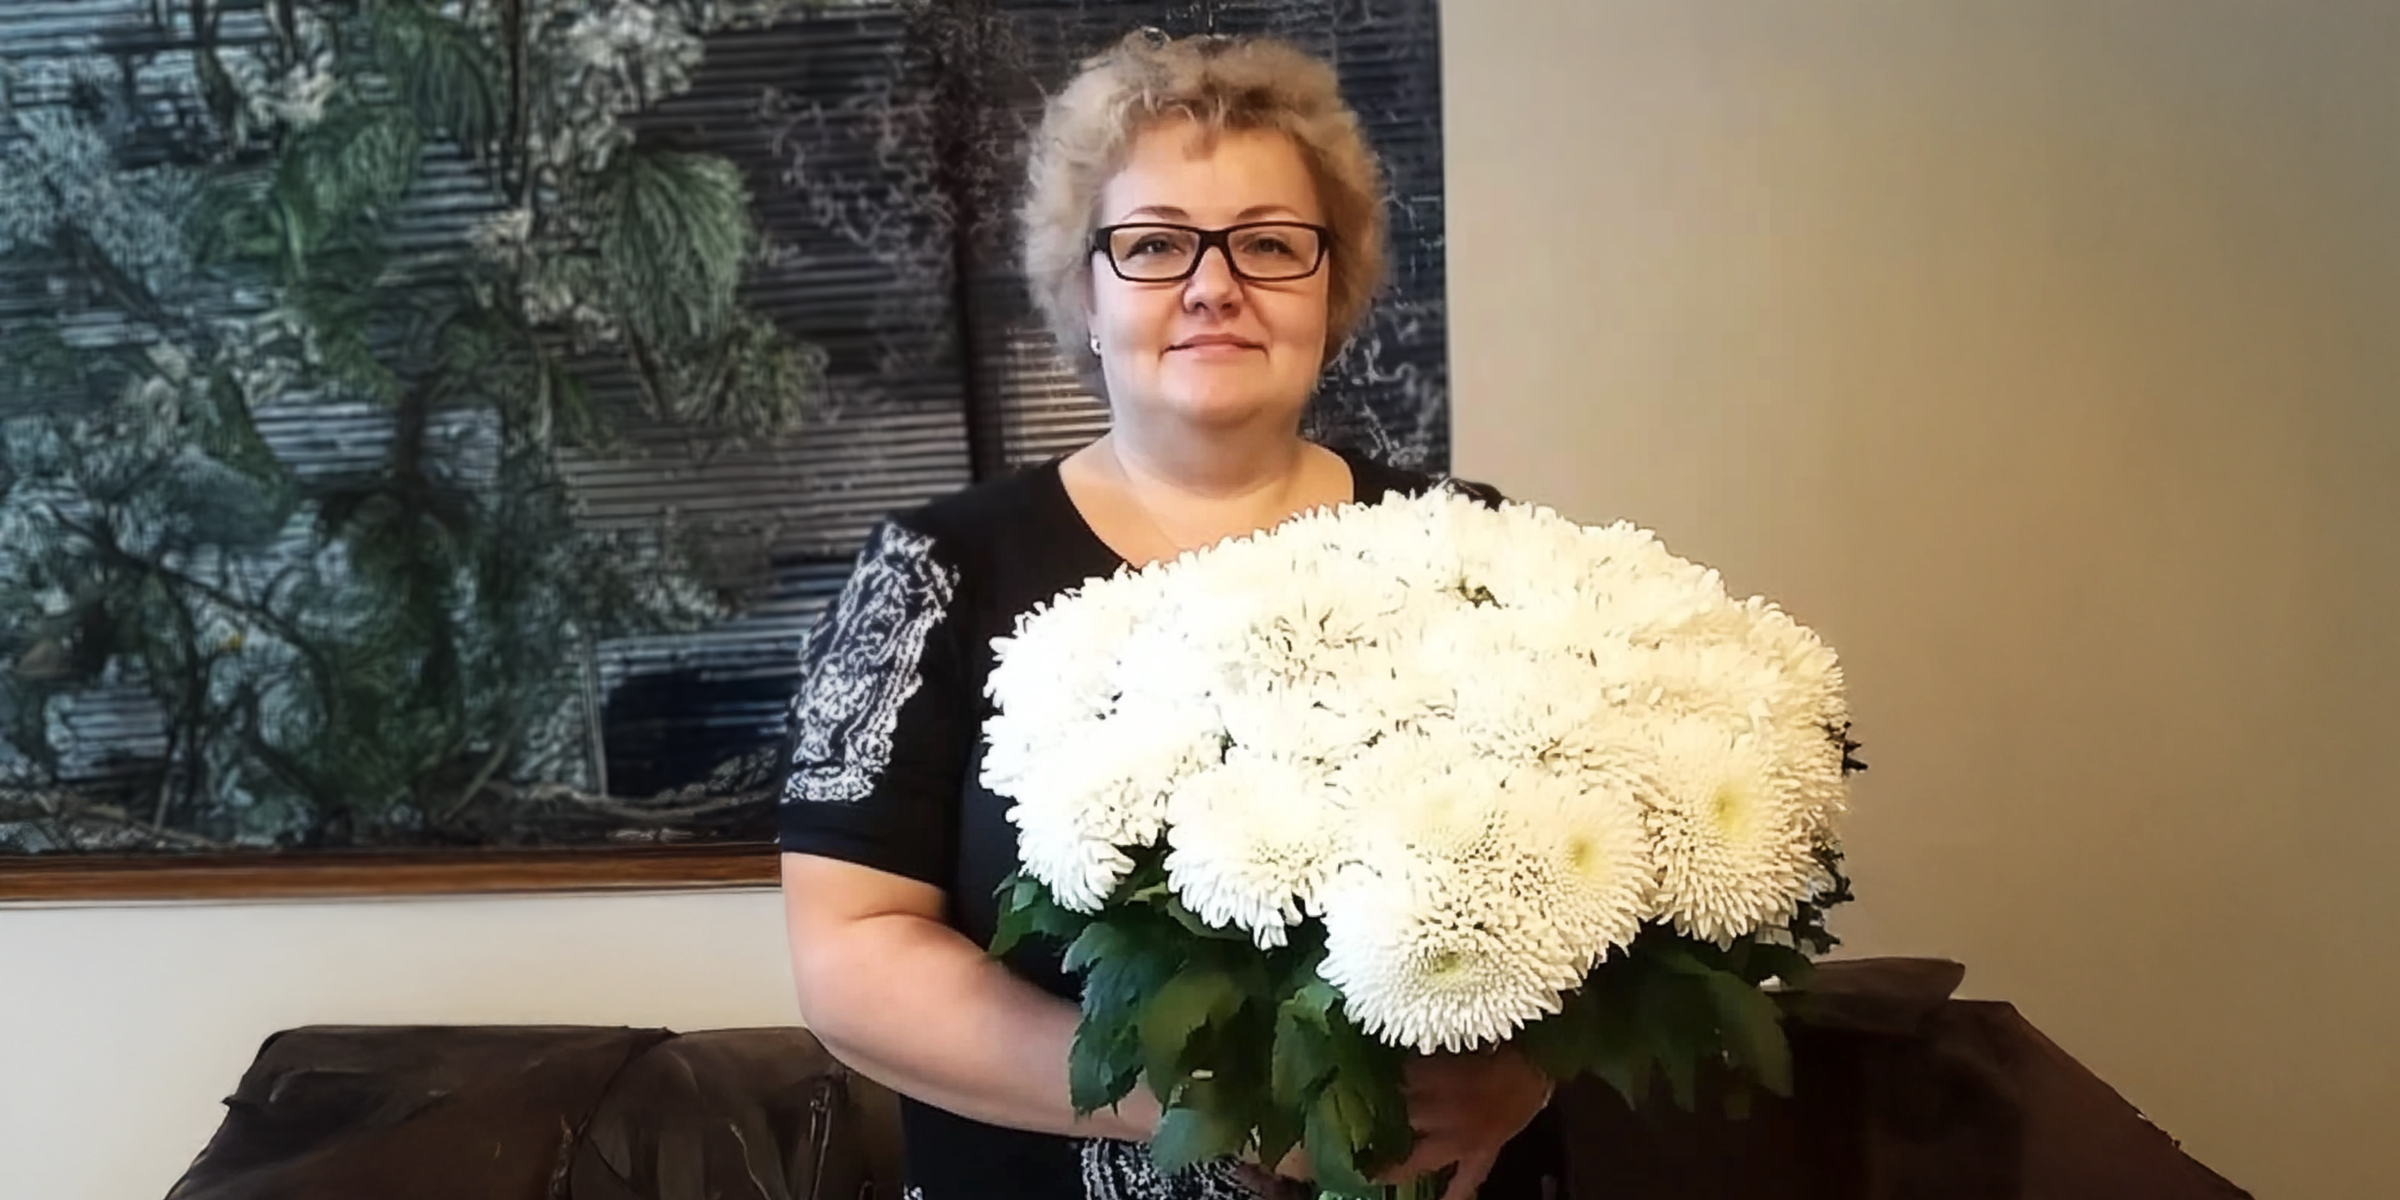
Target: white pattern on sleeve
pixel 863 661
pixel 1114 1170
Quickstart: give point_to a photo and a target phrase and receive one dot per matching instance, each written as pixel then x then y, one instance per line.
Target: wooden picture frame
pixel 301 875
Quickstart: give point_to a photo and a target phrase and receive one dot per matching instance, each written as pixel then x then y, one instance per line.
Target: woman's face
pixel 1214 349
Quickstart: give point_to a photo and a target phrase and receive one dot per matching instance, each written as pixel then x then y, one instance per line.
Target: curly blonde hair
pixel 1220 83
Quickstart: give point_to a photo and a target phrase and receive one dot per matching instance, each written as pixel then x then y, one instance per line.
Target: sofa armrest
pixel 740 1114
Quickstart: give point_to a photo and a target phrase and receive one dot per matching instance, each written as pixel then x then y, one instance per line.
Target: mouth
pixel 1215 342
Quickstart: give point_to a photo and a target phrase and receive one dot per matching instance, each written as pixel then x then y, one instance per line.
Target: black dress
pixel 882 770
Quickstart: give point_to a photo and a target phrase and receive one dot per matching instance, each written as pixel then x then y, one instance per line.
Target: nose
pixel 1213 285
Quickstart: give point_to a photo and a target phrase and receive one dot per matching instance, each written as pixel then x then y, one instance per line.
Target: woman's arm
pixel 901 997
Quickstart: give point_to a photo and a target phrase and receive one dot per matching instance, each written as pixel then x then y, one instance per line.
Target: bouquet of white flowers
pixel 1425 775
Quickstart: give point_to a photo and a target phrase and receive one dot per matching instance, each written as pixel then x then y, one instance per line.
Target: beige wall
pixel 121 1028
pixel 2040 353
pixel 2031 350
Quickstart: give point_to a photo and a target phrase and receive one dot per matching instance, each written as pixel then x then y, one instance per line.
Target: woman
pixel 1203 228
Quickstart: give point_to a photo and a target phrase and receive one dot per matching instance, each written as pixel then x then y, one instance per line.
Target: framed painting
pixel 428 431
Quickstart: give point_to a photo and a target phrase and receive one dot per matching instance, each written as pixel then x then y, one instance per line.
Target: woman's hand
pixel 1464 1107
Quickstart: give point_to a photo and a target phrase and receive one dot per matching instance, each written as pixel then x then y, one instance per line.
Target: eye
pixel 1278 244
pixel 1152 245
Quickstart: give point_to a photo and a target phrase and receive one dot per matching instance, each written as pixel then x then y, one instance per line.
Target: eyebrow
pixel 1171 213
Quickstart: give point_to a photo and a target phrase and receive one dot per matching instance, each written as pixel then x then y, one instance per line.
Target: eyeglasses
pixel 1258 251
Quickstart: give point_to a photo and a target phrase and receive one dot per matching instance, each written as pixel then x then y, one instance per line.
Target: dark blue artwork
pixel 426 425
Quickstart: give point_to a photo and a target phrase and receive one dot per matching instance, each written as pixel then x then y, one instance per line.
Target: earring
pixel 1095 345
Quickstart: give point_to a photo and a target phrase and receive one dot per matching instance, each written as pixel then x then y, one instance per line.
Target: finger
pixel 1472 1171
pixel 1295 1164
pixel 1444 1121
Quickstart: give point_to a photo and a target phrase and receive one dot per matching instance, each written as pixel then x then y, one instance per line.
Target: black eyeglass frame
pixel 1219 238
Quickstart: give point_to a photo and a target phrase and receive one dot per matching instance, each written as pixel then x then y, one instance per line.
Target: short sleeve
pixel 879 732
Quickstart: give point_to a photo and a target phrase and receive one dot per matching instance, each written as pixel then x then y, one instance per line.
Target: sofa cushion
pixel 410 1112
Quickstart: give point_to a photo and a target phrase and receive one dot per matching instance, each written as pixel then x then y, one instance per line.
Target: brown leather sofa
pixel 1904 1094
pixel 549 1113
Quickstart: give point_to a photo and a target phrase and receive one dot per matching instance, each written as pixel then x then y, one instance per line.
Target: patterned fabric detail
pixel 1114 1170
pixel 1481 491
pixel 862 663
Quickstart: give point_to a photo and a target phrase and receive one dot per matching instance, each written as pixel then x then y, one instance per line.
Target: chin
pixel 1229 398
pixel 1226 407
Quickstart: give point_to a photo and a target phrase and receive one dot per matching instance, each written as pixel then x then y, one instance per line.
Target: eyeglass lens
pixel 1264 252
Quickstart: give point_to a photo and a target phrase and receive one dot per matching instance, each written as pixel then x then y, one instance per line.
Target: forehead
pixel 1214 179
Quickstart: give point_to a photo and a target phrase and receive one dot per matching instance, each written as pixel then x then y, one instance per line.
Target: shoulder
pixel 978 508
pixel 963 529
pixel 1376 479
pixel 980 511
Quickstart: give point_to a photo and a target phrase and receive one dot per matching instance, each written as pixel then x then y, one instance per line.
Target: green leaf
pixel 1191 921
pixel 1680 957
pixel 1026 909
pixel 1303 1056
pixel 1196 997
pixel 1316 998
pixel 1563 1043
pixel 1099 940
pixel 1054 920
pixel 1618 1052
pixel 1753 1033
pixel 1373 1074
pixel 1338 1130
pixel 1015 919
pixel 1675 1013
pixel 1117 987
pixel 1102 1066
pixel 1787 963
pixel 1190 1135
pixel 1125 983
pixel 1280 1128
pixel 1629 1076
pixel 1147 877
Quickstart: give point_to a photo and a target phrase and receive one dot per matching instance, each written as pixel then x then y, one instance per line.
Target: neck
pixel 1228 464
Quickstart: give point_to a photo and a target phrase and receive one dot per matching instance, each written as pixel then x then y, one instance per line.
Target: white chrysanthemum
pixel 1483 743
pixel 1375 776
pixel 1809 675
pixel 1290 723
pixel 1590 824
pixel 1812 768
pixel 1638 588
pixel 1252 844
pixel 1059 665
pixel 1517 701
pixel 1056 847
pixel 1439 935
pixel 1731 831
pixel 1081 804
pixel 1715 681
pixel 1531 561
pixel 1129 755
